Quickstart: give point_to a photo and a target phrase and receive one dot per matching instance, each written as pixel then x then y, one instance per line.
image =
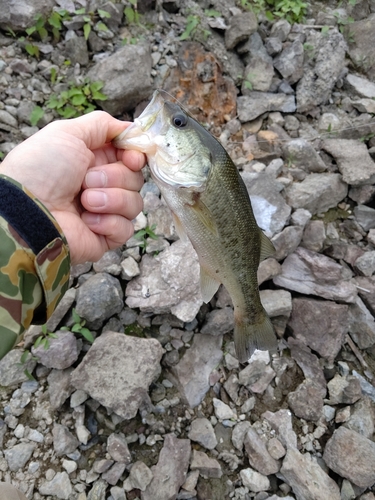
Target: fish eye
pixel 179 120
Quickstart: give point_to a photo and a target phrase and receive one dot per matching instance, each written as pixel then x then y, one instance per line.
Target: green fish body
pixel 211 207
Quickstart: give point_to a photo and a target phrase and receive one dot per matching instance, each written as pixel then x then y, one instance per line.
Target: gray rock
pixel 365 216
pixel 169 282
pixel 256 376
pixel 171 470
pixel 353 160
pixel 281 29
pixel 314 236
pixel 121 71
pixel 307 479
pixel 61 310
pixel 362 194
pixel 140 477
pixel 302 154
pixel 256 104
pixel 317 82
pixel 161 218
pixel 273 46
pixel 300 217
pixel 239 433
pixel 275 449
pixel 267 270
pixel 76 50
pixel 12 371
pixel 240 28
pixel 287 241
pixel 61 353
pixel 259 457
pixel 254 481
pixel 309 363
pixel 366 263
pixel 259 70
pixel 208 467
pixel 129 269
pixel 290 62
pixel 321 325
pixel 7 118
pixel 361 324
pixel 351 456
pixel 59 387
pixel 113 475
pixel 118 370
pixel 98 490
pixel 276 302
pixel 317 193
pixel 20 14
pixel 203 433
pixel 269 207
pixel 19 455
pixel 344 390
pixel 59 487
pixel 222 410
pixel 362 32
pixel 191 374
pixel 110 263
pixel 362 418
pixel 315 274
pixel 117 447
pixel 99 298
pixel 64 442
pixel 281 422
pixel 219 321
pixel 361 86
pixel 367 388
pixel 364 106
pixel 306 401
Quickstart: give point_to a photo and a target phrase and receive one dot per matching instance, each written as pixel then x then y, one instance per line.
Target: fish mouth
pixel 138 135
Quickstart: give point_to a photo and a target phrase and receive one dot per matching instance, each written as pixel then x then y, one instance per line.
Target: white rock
pixel 254 481
pixel 222 410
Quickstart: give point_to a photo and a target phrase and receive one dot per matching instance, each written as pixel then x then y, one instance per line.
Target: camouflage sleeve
pixel 34 263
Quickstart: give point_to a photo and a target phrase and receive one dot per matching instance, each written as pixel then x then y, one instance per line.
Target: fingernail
pixel 96 179
pixel 97 199
pixel 91 219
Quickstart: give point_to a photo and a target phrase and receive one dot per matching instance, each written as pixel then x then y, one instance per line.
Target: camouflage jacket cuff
pixel 35 262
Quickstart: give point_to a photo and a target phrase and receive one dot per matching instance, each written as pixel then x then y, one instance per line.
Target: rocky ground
pixel 158 406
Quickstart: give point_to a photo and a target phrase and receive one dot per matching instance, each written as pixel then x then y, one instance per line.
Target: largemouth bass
pixel 211 207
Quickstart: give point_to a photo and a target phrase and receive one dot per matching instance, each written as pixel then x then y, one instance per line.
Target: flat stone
pixel 169 474
pixel 344 390
pixel 306 401
pixel 276 302
pixel 118 370
pixel 309 363
pixel 64 442
pixel 321 325
pixel 362 418
pixel 240 27
pixel 140 477
pixel 312 273
pixel 287 241
pixel 353 160
pixel 307 479
pixel 254 481
pixel 219 321
pixel 259 70
pixel 191 374
pixel 366 263
pixel 361 324
pixel 19 455
pixel 117 447
pixel 290 62
pixel 60 486
pixel 169 282
pixel 362 36
pixel 363 87
pixel 203 433
pixel 120 72
pixel 351 456
pixel 59 387
pixel 317 193
pixel 12 371
pixel 61 353
pixel 281 422
pixel 257 103
pixel 259 457
pixel 208 467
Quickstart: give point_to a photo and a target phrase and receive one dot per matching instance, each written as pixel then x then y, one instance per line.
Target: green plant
pixel 293 11
pixel 92 17
pixel 2 154
pixel 79 327
pixel 367 137
pixel 191 26
pixel 131 12
pixel 36 114
pixel 48 25
pixel 145 234
pixel 77 100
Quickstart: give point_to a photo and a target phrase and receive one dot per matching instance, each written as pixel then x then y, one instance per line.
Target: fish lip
pixel 132 137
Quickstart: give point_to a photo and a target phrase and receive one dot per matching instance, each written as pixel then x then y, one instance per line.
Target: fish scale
pixel 211 207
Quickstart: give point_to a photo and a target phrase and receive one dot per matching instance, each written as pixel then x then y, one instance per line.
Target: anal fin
pixel 266 247
pixel 209 286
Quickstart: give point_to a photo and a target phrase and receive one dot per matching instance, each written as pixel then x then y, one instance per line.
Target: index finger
pixel 95 129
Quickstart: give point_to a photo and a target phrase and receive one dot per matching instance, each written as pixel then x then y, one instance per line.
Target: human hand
pixel 89 186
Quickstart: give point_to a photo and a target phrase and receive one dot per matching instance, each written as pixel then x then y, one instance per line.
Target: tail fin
pixel 250 336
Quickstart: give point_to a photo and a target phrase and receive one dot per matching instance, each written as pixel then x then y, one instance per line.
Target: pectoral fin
pixel 209 286
pixel 205 216
pixel 179 228
pixel 266 247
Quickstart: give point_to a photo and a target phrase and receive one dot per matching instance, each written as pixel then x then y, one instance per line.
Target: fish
pixel 211 207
